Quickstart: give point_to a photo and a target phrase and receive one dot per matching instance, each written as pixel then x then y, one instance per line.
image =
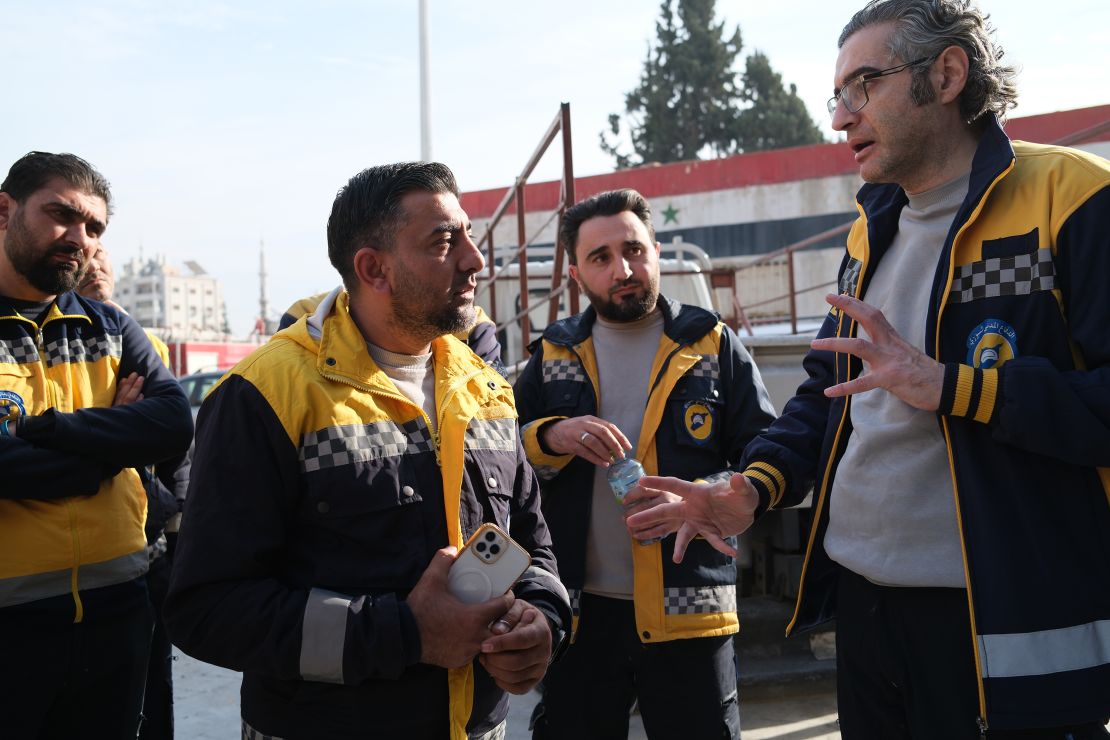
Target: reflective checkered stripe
pixel 554 370
pixel 18 351
pixel 707 367
pixel 249 733
pixel 699 600
pixel 1004 276
pixel 575 601
pixel 850 279
pixel 61 351
pixel 491 434
pixel 335 447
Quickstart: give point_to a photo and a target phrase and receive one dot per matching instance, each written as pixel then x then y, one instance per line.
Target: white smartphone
pixel 487 566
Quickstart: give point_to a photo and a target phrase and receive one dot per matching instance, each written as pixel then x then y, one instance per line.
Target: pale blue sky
pixel 223 123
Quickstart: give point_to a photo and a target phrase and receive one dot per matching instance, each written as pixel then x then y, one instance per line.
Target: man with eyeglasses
pixel 956 420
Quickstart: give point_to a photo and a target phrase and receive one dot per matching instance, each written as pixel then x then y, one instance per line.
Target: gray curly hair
pixel 925 28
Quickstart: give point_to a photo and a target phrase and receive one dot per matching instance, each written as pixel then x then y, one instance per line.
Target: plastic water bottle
pixel 623 476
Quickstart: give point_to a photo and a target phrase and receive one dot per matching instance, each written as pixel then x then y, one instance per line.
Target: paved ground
pixel 207 708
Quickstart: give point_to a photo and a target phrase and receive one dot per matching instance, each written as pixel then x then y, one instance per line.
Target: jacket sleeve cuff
pixel 546 463
pixel 769 482
pixel 971 393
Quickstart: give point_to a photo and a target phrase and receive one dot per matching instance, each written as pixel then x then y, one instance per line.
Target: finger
pixel 720 545
pixel 507 621
pixel 676 486
pixel 681 540
pixel 859 385
pixel 856 347
pixel 658 531
pixel 441 563
pixel 528 633
pixel 494 609
pixel 657 515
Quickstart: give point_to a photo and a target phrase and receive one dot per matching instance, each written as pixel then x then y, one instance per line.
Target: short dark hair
pixel 609 203
pixel 34 170
pixel 367 210
pixel 925 28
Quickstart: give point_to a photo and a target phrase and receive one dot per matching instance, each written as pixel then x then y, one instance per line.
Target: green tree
pixel 689 103
pixel 776 117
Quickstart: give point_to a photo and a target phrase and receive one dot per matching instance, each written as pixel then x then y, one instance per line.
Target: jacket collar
pixel 682 323
pixel 332 335
pixel 65 306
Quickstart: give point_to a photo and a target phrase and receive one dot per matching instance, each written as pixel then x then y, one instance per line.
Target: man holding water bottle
pixel 635 376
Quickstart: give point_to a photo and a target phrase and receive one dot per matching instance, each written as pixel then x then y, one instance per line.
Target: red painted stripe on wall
pixel 760 168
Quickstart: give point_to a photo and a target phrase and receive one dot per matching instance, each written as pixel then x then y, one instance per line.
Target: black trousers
pixel 158 701
pixel 80 680
pixel 905 667
pixel 686 688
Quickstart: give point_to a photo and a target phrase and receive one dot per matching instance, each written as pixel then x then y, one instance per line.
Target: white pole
pixel 425 87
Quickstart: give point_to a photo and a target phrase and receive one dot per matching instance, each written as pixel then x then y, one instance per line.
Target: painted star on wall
pixel 670 215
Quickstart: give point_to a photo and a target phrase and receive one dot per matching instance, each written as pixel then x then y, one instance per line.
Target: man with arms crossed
pixel 336 471
pixel 637 374
pixel 75 623
pixel 957 415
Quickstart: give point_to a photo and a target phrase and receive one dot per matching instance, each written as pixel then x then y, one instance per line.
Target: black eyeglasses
pixel 854 93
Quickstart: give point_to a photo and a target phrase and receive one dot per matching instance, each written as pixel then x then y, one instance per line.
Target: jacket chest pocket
pixel 377 514
pixel 564 397
pixel 695 414
pixel 488 490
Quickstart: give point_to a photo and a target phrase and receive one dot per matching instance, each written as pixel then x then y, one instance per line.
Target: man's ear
pixel 371 270
pixel 7 207
pixel 572 270
pixel 950 74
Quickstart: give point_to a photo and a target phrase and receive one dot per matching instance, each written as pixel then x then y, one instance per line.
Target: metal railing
pixel 515 194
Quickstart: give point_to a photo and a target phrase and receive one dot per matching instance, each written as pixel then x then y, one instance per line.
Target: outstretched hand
pixel 712 510
pixel 889 361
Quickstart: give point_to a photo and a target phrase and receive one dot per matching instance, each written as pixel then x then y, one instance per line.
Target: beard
pixel 415 310
pixel 627 308
pixel 37 265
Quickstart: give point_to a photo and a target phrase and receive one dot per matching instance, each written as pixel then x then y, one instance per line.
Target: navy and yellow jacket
pixel 481 337
pixel 318 496
pixel 706 402
pixel 72 507
pixel 1021 320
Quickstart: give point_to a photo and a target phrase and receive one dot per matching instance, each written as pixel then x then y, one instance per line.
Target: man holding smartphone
pixel 338 468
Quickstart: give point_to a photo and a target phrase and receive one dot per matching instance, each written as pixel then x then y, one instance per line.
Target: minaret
pixel 263 302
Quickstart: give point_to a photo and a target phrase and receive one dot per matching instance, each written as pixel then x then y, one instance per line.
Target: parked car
pixel 197 385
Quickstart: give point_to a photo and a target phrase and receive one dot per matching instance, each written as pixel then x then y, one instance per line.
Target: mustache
pixel 68 251
pixel 629 283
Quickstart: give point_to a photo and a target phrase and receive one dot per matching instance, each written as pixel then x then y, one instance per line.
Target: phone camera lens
pixel 490 536
pixel 480 547
pixel 494 549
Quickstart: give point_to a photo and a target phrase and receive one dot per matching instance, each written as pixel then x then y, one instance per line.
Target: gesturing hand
pixel 712 510
pixel 890 362
pixel 451 632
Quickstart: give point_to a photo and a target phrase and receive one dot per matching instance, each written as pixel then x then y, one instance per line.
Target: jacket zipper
pixel 75 540
pixel 982 719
